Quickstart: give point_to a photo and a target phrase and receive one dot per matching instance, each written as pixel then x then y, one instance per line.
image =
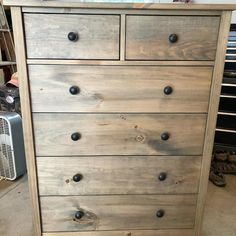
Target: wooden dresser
pixel 119 106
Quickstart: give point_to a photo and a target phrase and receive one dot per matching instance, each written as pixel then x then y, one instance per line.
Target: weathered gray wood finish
pixel 118 134
pixel 118 175
pixel 119 88
pixel 98 36
pixel 148 37
pixel 117 212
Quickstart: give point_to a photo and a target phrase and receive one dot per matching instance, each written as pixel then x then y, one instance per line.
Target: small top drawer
pixel 171 37
pixel 59 36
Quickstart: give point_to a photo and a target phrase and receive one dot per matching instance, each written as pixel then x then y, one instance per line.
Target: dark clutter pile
pixel 223 163
pixel 9 95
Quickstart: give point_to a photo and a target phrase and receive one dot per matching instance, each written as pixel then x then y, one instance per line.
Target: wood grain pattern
pixel 212 117
pixel 79 4
pixel 122 36
pixel 118 134
pixel 119 88
pixel 117 212
pixel 148 37
pixel 98 36
pixel 26 116
pixel 168 232
pixel 118 175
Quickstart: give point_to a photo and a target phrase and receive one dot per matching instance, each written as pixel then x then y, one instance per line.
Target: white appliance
pixel 12 154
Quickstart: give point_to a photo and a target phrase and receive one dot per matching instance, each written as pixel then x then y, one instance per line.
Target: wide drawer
pixel 118 134
pixel 95 36
pixel 116 212
pixel 165 232
pixel 171 37
pixel 58 88
pixel 118 175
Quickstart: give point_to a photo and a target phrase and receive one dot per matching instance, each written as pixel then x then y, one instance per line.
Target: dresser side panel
pixel 212 116
pixel 26 114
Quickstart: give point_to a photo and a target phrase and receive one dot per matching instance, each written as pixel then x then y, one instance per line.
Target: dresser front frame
pixel 18 28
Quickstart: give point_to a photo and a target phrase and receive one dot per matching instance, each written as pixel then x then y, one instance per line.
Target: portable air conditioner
pixel 12 154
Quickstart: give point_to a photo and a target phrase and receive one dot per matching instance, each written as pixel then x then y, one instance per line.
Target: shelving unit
pixel 225 137
pixel 6 43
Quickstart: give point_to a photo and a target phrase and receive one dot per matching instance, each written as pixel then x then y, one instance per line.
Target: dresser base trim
pixel 212 117
pixel 175 232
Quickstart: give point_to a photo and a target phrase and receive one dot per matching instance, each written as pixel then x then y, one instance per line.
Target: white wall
pixel 211 1
pixel 220 1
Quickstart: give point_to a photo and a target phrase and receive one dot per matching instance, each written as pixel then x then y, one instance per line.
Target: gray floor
pixel 15 215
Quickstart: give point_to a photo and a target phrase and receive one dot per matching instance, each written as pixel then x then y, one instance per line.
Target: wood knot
pixel 89 218
pixel 178 181
pixel 140 138
pixel 122 117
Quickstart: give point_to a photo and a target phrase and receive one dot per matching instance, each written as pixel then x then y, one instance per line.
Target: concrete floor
pixel 15 214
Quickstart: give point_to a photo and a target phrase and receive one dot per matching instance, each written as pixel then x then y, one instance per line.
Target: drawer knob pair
pixel 76 136
pixel 79 215
pixel 160 213
pixel 173 38
pixel 73 36
pixel 74 90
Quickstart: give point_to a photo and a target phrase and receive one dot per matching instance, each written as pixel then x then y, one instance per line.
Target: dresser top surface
pixel 127 4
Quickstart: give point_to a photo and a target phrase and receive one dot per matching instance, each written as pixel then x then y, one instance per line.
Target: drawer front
pixel 119 89
pixel 171 37
pixel 118 175
pixel 116 212
pixel 95 36
pixel 118 134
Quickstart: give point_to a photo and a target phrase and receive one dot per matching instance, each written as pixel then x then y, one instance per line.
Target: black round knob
pixel 160 213
pixel 73 36
pixel 77 177
pixel 168 90
pixel 162 176
pixel 74 90
pixel 165 136
pixel 173 38
pixel 75 136
pixel 79 215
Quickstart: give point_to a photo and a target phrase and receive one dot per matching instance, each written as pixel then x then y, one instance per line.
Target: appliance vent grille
pixel 4 129
pixel 6 151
